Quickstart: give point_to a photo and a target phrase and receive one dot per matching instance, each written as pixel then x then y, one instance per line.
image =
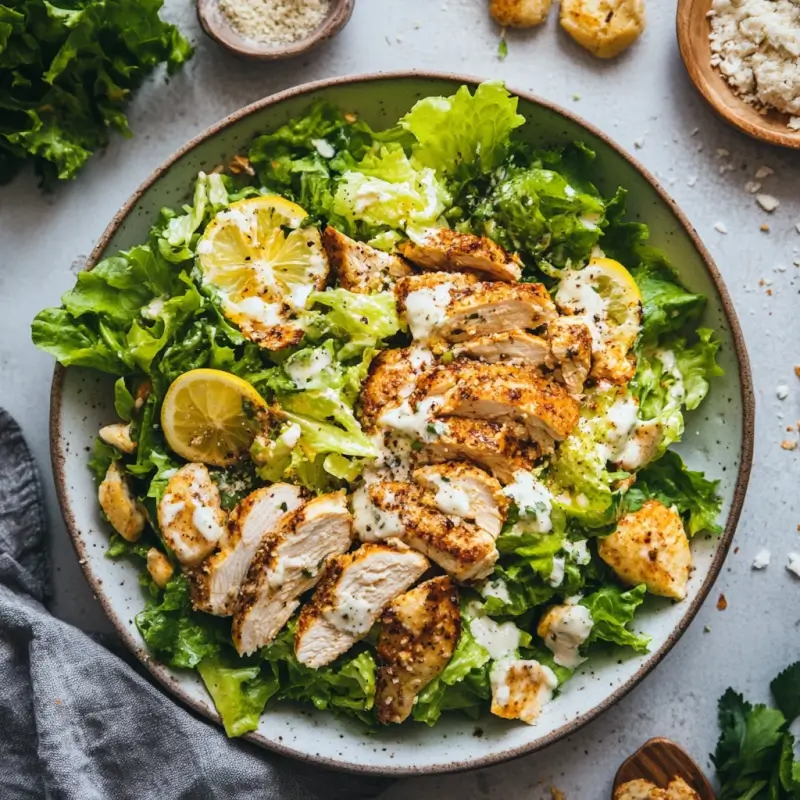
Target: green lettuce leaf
pixel 239 692
pixel 465 134
pixel 67 73
pixel 612 611
pixel 386 190
pixel 177 635
pixel 347 686
pixel 669 481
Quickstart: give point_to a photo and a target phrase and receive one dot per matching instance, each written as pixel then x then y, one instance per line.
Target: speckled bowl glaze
pixel 718 439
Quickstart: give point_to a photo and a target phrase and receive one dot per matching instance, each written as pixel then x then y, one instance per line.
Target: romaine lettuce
pixel 612 610
pixel 466 134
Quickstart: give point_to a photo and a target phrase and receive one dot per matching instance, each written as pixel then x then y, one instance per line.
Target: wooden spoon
pixel 219 28
pixel 659 761
pixel 693 30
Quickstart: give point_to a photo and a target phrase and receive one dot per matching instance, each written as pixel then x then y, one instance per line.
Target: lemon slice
pixel 212 416
pixel 264 266
pixel 605 295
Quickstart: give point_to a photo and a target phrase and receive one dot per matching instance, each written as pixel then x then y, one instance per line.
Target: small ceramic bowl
pixel 693 30
pixel 219 28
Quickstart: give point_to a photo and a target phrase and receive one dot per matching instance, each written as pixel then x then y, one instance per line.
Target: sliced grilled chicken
pixel 422 300
pixel 650 546
pixel 353 592
pixel 190 514
pixel 570 351
pixel 359 267
pixel 512 347
pixel 513 392
pixel 460 548
pixel 286 565
pixel 450 251
pixel 520 689
pixel 159 567
pixel 119 435
pixel 419 632
pixel 486 308
pixel 121 508
pixel 216 583
pixel 488 444
pixel 392 377
pixel 466 491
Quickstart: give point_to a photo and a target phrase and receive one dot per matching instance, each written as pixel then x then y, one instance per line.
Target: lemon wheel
pixel 263 264
pixel 607 297
pixel 212 416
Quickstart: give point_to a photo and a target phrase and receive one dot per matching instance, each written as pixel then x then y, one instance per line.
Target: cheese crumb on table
pixel 762 559
pixel 794 563
pixel 755 44
pixel 275 21
pixel 767 202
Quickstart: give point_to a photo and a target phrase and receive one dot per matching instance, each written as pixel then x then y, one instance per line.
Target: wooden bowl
pixel 693 31
pixel 219 28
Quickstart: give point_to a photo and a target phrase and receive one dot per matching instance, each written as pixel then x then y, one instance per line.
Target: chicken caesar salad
pixel 394 410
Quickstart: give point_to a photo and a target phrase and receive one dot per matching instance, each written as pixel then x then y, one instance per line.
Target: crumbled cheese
pixel 638 143
pixel 275 21
pixel 752 187
pixel 720 227
pixel 692 181
pixel 782 391
pixel 722 152
pixel 761 561
pixel 764 172
pixel 755 44
pixel 794 563
pixel 767 202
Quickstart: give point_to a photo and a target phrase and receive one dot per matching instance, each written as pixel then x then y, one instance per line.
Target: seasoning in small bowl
pixel 271 29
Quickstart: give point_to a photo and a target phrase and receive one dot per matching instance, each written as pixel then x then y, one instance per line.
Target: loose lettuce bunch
pixel 67 70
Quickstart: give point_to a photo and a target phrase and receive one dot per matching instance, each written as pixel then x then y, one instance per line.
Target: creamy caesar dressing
pixel 370 522
pixel 303 368
pixel 576 293
pixel 524 686
pixel 154 308
pixel 630 442
pixel 499 639
pixel 324 148
pixel 255 309
pixel 417 423
pixel 533 499
pixel 290 435
pixel 206 523
pixel 352 614
pixel 676 390
pixel 568 627
pixel 450 498
pixel 556 576
pixel 285 567
pixel 426 309
pixel 169 510
pixel 495 588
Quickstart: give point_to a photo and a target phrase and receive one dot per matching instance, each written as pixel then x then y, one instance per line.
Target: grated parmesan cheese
pixel 275 21
pixel 755 44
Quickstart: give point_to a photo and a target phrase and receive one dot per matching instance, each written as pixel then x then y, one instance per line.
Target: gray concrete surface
pixel 645 101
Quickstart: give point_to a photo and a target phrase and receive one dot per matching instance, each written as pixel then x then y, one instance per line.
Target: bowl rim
pixel 164 675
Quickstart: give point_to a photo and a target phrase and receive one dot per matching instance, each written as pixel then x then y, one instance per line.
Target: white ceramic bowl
pixel 718 439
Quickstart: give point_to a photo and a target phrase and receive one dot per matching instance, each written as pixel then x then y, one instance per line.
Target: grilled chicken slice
pixel 650 546
pixel 513 392
pixel 488 444
pixel 359 267
pixel 419 632
pixel 216 583
pixel 520 689
pixel 422 300
pixel 286 565
pixel 461 549
pixel 118 435
pixel 190 514
pixel 570 351
pixel 466 491
pixel 392 377
pixel 121 508
pixel 450 251
pixel 486 308
pixel 353 592
pixel 511 347
pixel 159 567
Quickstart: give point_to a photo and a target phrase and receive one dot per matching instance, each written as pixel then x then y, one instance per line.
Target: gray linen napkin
pixel 76 721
